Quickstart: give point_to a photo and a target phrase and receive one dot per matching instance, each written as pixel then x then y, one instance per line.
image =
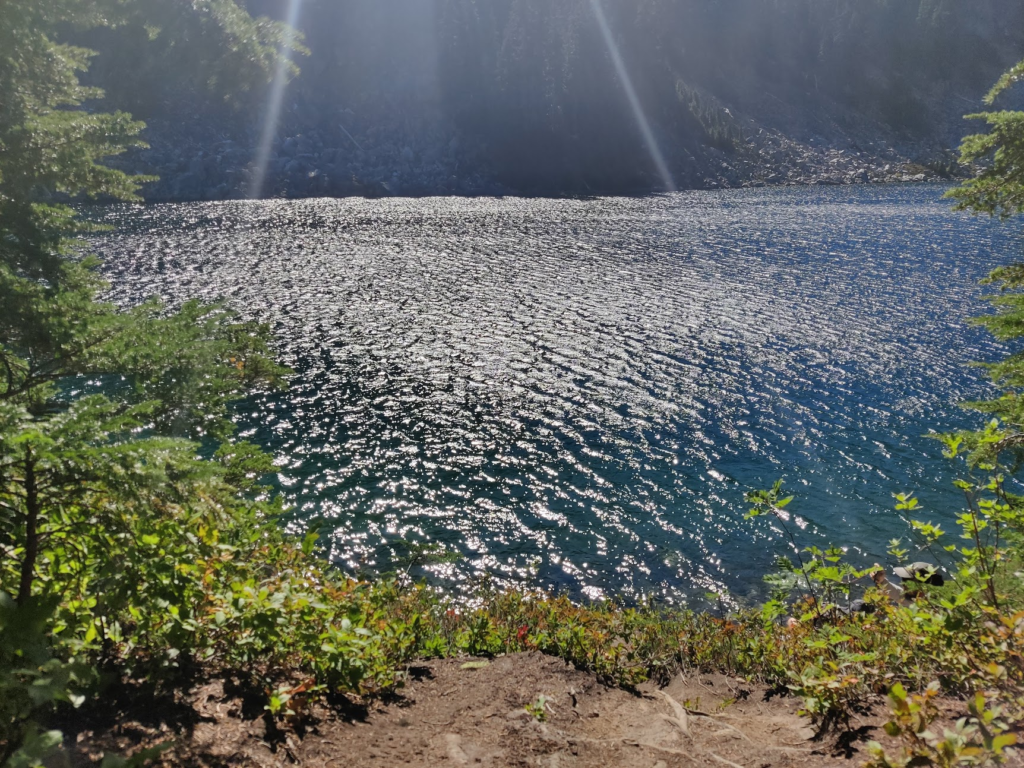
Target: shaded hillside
pixel 467 96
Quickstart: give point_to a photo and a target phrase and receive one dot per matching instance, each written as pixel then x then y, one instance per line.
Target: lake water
pixel 577 393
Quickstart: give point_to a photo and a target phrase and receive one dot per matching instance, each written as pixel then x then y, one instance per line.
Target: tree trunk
pixel 28 564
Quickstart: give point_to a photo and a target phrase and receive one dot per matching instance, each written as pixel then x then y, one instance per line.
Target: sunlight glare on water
pixel 577 393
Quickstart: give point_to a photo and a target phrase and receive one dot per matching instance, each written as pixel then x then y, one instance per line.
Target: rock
pixel 238 157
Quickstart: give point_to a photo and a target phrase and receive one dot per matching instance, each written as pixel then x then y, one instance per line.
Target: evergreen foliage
pixel 90 485
pixel 206 52
pixel 998 190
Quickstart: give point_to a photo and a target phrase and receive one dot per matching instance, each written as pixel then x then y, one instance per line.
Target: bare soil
pixel 453 715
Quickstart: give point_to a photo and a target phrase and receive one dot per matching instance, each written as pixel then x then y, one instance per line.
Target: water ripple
pixel 578 393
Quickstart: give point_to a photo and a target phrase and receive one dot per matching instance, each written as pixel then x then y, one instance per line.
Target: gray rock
pixel 237 157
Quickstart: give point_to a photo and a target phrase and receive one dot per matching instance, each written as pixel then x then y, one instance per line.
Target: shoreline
pixel 205 162
pixel 533 699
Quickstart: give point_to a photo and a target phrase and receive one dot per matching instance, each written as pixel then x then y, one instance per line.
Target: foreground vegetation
pixel 126 554
pixel 207 586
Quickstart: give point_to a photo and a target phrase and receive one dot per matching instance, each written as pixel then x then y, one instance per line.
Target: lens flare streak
pixel 274 104
pixel 634 100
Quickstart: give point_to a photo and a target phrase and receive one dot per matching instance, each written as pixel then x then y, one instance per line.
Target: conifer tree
pixel 97 404
pixel 998 190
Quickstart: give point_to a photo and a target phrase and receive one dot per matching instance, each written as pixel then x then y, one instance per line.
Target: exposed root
pixel 682 718
pixel 733 728
pixel 681 753
pixel 721 759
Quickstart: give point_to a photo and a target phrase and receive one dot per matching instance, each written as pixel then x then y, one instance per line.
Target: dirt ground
pixel 451 714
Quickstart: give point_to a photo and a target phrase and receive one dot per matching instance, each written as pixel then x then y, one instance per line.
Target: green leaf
pixel 35 747
pixel 1001 742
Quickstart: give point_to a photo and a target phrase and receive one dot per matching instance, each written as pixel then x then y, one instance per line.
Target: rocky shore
pixel 196 161
pixel 775 160
pixel 389 155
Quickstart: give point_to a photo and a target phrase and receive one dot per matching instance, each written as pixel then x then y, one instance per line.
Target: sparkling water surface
pixel 576 394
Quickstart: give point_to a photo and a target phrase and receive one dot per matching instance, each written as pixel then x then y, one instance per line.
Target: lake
pixel 576 394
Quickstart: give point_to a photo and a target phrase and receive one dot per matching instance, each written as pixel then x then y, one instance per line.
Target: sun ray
pixel 274 103
pixel 657 157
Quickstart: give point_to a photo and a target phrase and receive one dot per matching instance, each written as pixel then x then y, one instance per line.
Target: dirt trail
pixel 453 715
pixel 467 717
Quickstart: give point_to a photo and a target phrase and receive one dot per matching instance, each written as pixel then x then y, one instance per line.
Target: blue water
pixel 577 394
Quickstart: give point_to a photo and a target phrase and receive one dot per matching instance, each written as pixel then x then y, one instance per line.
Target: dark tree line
pixel 535 81
pixel 538 79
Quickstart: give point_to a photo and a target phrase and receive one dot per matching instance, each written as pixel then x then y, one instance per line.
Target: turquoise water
pixel 577 393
